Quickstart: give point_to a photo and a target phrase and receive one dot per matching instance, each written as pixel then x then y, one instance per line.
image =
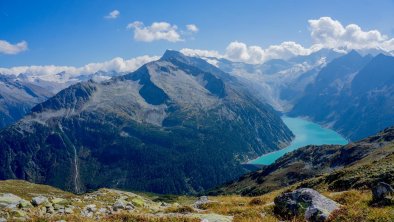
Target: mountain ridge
pixel 356 101
pixel 114 133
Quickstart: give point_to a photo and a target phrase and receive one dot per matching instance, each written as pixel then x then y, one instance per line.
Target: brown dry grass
pixel 356 206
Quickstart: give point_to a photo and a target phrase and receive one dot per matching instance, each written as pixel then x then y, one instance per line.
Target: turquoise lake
pixel 306 133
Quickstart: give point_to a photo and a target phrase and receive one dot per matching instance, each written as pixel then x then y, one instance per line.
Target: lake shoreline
pixel 305 133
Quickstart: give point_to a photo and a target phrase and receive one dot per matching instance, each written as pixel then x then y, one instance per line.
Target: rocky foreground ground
pixel 23 201
pixel 104 204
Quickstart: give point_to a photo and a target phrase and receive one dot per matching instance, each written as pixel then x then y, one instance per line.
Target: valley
pixel 99 140
pixel 197 111
pixel 305 133
pixel 347 177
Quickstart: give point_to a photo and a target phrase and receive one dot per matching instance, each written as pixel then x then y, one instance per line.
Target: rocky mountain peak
pixel 173 54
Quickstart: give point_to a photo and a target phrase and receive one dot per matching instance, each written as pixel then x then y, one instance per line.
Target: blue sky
pixel 76 32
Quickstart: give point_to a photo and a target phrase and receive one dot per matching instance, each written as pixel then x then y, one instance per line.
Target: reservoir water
pixel 306 133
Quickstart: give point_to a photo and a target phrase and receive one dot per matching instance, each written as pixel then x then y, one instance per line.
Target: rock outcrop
pixel 383 193
pixel 201 201
pixel 307 202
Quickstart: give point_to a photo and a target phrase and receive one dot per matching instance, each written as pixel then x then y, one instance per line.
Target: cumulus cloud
pixel 160 31
pixel 201 53
pixel 112 15
pixel 325 33
pixel 117 64
pixel 241 52
pixel 192 28
pixel 331 33
pixel 12 49
pixel 154 32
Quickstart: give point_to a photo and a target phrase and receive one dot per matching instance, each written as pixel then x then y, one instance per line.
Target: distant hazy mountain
pixel 175 125
pixel 56 82
pixel 18 94
pixel 353 94
pixel 279 82
pixel 17 98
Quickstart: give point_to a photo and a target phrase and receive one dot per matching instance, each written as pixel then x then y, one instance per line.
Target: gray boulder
pixel 129 207
pixel 86 213
pixel 119 205
pixel 201 201
pixel 91 208
pixel 24 204
pixel 103 211
pixel 40 200
pixel 68 210
pixel 307 202
pixel 383 193
pixel 9 200
pixel 60 201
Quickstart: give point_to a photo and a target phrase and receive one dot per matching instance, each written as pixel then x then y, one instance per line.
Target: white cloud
pixel 239 51
pixel 210 56
pixel 117 64
pixel 331 33
pixel 12 49
pixel 154 32
pixel 325 33
pixel 201 53
pixel 192 28
pixel 112 15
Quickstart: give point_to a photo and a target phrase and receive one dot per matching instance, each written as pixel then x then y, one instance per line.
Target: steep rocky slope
pixel 353 94
pixel 176 125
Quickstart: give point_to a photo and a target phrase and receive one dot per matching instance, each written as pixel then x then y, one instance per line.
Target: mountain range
pixel 279 82
pixel 176 125
pixel 348 91
pixel 17 98
pixel 198 116
pixel 353 95
pixel 21 92
pixel 186 126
